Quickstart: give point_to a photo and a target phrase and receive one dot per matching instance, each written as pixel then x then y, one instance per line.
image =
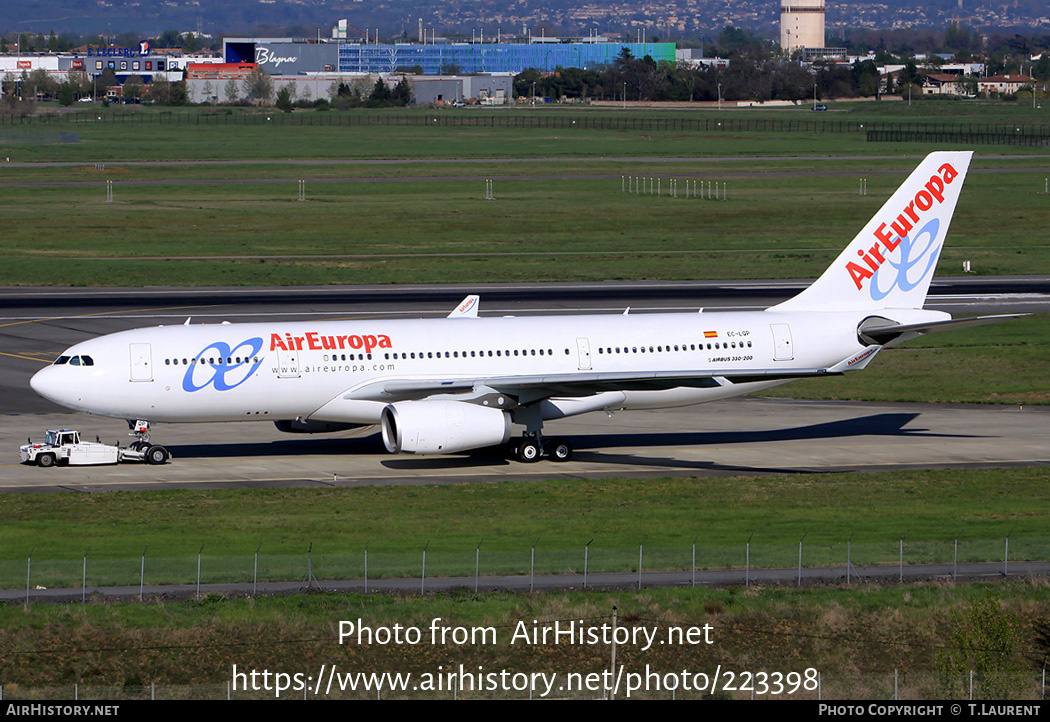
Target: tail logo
pixel 912 253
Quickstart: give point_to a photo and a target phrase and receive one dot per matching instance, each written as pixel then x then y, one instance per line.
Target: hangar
pixel 211 85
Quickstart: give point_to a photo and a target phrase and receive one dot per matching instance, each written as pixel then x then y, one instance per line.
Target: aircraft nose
pixel 46 383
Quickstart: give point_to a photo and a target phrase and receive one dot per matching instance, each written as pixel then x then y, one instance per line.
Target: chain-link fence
pixel 948 130
pixel 743 562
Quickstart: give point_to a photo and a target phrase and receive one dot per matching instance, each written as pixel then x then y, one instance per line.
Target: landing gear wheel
pixel 559 450
pixel 529 451
pixel 157 455
pixel 45 460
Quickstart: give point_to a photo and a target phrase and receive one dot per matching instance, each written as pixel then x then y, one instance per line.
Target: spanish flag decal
pixel 710 334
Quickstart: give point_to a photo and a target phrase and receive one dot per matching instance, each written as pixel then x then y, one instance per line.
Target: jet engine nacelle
pixel 442 427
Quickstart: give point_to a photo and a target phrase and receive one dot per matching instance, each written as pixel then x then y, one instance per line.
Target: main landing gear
pixel 535 446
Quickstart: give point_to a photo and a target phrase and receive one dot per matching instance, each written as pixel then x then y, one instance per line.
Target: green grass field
pixel 669 514
pixel 792 204
pixel 857 640
pixel 777 223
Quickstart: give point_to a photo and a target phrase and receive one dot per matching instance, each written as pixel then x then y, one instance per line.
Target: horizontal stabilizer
pixel 882 335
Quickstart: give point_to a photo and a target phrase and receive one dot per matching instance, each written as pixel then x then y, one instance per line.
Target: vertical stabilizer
pixel 891 261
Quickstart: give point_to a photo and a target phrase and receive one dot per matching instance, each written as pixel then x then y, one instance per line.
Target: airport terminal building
pixel 290 56
pixel 439 72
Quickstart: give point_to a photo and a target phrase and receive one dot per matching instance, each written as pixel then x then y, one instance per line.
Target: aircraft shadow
pixel 597 448
pixel 589 447
pixel 874 425
pixel 298 446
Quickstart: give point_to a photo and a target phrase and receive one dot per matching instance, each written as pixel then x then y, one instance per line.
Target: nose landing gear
pixel 151 453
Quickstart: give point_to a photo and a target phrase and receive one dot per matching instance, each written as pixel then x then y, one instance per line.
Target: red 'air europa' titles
pixel 887 239
pixel 315 342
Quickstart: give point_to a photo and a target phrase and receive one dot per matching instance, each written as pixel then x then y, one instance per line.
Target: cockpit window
pixel 74 361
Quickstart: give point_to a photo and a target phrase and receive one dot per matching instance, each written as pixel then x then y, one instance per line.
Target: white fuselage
pixel 329 370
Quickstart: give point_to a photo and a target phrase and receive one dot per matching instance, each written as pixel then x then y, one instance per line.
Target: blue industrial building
pixel 287 56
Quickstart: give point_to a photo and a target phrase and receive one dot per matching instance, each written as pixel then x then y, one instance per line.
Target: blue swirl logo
pixel 923 247
pixel 229 367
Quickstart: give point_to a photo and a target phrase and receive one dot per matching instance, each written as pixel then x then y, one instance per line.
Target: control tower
pixel 801 24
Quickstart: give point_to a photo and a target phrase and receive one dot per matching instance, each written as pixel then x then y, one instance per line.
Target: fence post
pixel 199 551
pixel 586 555
pixel 423 576
pixel 849 556
pixel 955 562
pixel 29 567
pixel 693 583
pixel 800 558
pixel 900 573
pixel 1006 554
pixel 142 572
pixel 255 571
pixel 532 566
pixel 641 548
pixel 747 562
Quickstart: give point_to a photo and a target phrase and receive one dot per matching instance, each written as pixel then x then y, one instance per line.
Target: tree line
pixel 745 77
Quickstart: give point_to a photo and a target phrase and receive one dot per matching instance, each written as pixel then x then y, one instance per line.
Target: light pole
pixel 719 96
pixel 625 96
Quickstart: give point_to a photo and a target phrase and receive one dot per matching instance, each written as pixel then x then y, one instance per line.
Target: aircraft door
pixel 782 347
pixel 583 346
pixel 287 364
pixel 141 362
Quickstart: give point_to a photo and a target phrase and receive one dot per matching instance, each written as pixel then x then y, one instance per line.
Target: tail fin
pixel 891 261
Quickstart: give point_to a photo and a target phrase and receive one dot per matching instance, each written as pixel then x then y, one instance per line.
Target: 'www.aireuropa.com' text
pixel 330 680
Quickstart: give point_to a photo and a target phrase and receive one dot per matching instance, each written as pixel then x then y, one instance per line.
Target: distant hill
pixel 663 19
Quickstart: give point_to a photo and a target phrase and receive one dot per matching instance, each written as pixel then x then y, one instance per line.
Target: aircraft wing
pixel 532 388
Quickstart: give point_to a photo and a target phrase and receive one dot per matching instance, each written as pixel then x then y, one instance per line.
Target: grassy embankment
pixel 856 636
pixel 395 523
pixel 857 640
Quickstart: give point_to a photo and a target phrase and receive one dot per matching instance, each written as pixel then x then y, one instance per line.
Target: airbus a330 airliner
pixel 438 386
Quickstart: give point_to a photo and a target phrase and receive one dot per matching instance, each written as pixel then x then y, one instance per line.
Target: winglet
pixel 467 308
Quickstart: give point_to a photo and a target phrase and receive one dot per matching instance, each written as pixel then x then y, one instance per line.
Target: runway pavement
pixel 741 436
pixel 736 437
